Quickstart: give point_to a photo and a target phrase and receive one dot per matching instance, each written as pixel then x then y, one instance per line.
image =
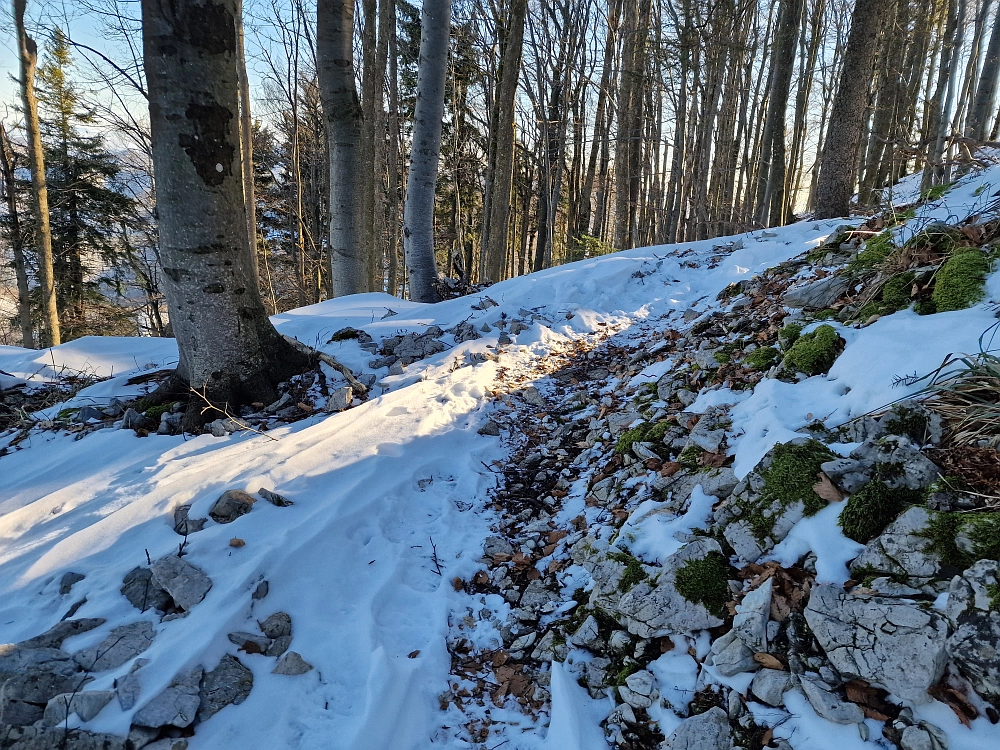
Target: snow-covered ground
pixel 390 489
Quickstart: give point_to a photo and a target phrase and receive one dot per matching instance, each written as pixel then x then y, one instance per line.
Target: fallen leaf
pixel 827 490
pixel 413 654
pixel 237 542
pixel 956 701
pixel 557 536
pixel 669 468
pixel 457 583
pixel 713 460
pixel 765 739
pixel 767 661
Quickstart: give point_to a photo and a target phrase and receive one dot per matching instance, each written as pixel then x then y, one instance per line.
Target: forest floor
pixel 433 558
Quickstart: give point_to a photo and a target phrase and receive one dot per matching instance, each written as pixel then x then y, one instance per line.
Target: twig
pixel 434 557
pixel 225 412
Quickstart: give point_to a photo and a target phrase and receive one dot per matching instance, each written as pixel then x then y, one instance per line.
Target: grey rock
pixel 847 473
pixel 770 686
pixel 23 697
pixel 396 368
pixel 86 413
pixel 586 635
pixel 261 591
pixel 274 498
pixel 490 428
pixel 497 545
pixel 339 399
pixel 16 660
pixel 719 483
pixel 132 420
pixel 144 592
pixel 54 636
pixel 730 656
pixel 186 583
pixel 69 580
pixel 533 397
pixel 903 464
pixel 86 705
pixel 816 295
pixel 128 687
pixel 176 706
pixel 536 595
pixel 231 505
pixel 923 736
pixel 884 586
pixel 828 705
pixel 228 684
pixel 53 738
pixel 752 614
pixel 184 525
pixel 655 608
pixel 686 396
pixel 277 625
pixel 620 640
pixel 167 743
pixel 975 643
pixel 279 646
pixel 121 644
pixel 902 549
pixel 706 435
pixel 893 644
pixel 707 731
pixel 291 664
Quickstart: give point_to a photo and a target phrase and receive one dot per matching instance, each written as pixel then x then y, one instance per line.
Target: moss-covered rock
pixel 961 281
pixel 762 359
pixel 963 538
pixel 647 432
pixel 872 508
pixel 789 335
pixel 814 353
pixel 793 473
pixel 705 582
pixel 875 251
pixel 633 575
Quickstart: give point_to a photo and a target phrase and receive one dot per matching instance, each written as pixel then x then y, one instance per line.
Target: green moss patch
pixel 793 473
pixel 935 192
pixel 789 335
pixel 155 412
pixel 872 508
pixel 647 432
pixel 633 575
pixel 875 251
pixel 961 281
pixel 814 353
pixel 982 529
pixel 762 359
pixel 705 582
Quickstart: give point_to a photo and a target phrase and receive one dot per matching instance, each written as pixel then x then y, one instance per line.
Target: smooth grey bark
pixel 16 242
pixel 344 122
pixel 28 55
pixel 246 148
pixel 983 103
pixel 229 351
pixel 418 213
pixel 840 151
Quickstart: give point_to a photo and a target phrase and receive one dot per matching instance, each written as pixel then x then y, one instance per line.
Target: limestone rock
pixel 638 690
pixel 291 664
pixel 121 644
pixel 923 736
pixel 186 584
pixel 228 684
pixel 231 505
pixel 586 635
pixel 145 593
pixel 184 525
pixel 893 644
pixel 250 642
pixel 128 687
pixel 339 399
pixel 533 397
pixel 23 697
pixel 730 656
pixel 54 636
pixel 277 625
pixel 497 545
pixel 69 580
pixel 85 704
pixel 975 643
pixel 902 549
pixel 816 295
pixel 279 646
pixel 55 738
pixel 828 705
pixel 752 614
pixel 707 731
pixel 176 706
pixel 770 686
pixel 17 660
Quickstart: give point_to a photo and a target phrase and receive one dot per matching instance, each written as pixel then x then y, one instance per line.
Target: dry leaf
pixel 413 654
pixel 765 739
pixel 827 490
pixel 957 702
pixel 237 542
pixel 669 468
pixel 767 661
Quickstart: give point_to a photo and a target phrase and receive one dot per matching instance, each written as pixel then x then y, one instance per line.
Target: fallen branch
pixel 225 412
pixel 359 388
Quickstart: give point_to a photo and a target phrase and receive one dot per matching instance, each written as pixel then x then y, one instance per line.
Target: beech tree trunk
pixel 418 213
pixel 344 122
pixel 983 104
pixel 28 54
pixel 246 149
pixel 228 348
pixel 840 152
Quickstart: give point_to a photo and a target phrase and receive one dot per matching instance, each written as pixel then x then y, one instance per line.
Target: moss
pixel 941 531
pixel 896 292
pixel 155 412
pixel 827 314
pixel 872 508
pixel 982 530
pixel 722 358
pixel 925 307
pixel 67 413
pixel 789 335
pixel 633 575
pixel 814 353
pixel 934 192
pixel 625 672
pixel 705 582
pixel 762 359
pixel 875 251
pixel 960 282
pixel 908 422
pixel 792 474
pixel 344 334
pixel 689 458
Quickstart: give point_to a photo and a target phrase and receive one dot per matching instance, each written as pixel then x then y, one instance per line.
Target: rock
pixel 497 545
pixel 638 690
pixel 279 646
pixel 121 644
pixel 69 580
pixel 707 731
pixel 228 684
pixel 168 743
pixel 274 498
pixel 923 736
pixel 586 635
pixel 770 685
pixel 490 428
pixel 706 435
pixel 536 595
pixel 893 644
pixel 186 584
pixel 533 397
pixel 291 664
pixel 902 549
pixel 752 614
pixel 56 738
pixel 620 640
pixel 897 461
pixel 816 295
pixel 828 705
pixel 128 687
pixel 277 625
pixel 132 420
pixel 848 474
pixel 261 591
pixel 23 697
pixel 16 660
pixel 973 645
pixel 339 399
pixel 86 413
pixel 655 608
pixel 718 482
pixel 144 592
pixel 548 650
pixel 86 705
pixel 54 636
pixel 686 397
pixel 184 525
pixel 176 706
pixel 231 505
pixel 730 656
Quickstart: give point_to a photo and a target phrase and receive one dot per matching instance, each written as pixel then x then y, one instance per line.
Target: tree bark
pixel 344 122
pixel 839 166
pixel 16 242
pixel 28 53
pixel 246 149
pixel 228 348
pixel 392 241
pixel 418 213
pixel 983 104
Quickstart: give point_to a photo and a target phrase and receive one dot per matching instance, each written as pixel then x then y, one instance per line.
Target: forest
pixel 568 129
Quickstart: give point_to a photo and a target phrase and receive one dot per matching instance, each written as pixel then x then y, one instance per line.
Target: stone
pixel 145 593
pixel 620 640
pixel 54 636
pixel 730 656
pixel 536 595
pixel 893 644
pixel 686 397
pixel 250 642
pixel 228 684
pixel 752 614
pixel 902 549
pixel 274 498
pixel 706 436
pixel 279 646
pixel 16 660
pixel 121 644
pixel 56 738
pixel 86 413
pixel 533 397
pixel 654 608
pixel 923 736
pixel 339 399
pixel 133 420
pixel 69 580
pixel 707 731
pixel 231 505
pixel 23 697
pixel 86 705
pixel 719 483
pixel 185 583
pixel 261 591
pixel 848 474
pixel 816 295
pixel 586 635
pixel 975 642
pixel 396 368
pixel 490 429
pixel 128 687
pixel 497 545
pixel 291 664
pixel 176 706
pixel 277 625
pixel 828 705
pixel 770 686
pixel 168 743
pixel 901 464
pixel 184 525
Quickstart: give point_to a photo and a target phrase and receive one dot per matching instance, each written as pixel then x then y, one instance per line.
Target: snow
pixel 656 535
pixel 379 487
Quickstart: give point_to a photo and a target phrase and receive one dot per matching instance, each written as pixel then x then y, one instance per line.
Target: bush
pixel 814 353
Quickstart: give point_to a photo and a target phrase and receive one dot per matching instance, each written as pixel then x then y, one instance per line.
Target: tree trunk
pixel 495 238
pixel 28 53
pixel 418 212
pixel 371 99
pixel 228 348
pixel 246 149
pixel 840 152
pixel 392 161
pixel 983 104
pixel 342 110
pixel 16 242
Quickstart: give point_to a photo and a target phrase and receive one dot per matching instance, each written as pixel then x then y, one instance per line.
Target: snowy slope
pixel 379 488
